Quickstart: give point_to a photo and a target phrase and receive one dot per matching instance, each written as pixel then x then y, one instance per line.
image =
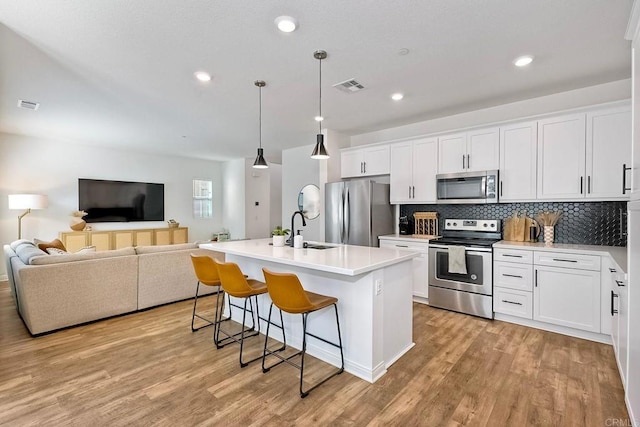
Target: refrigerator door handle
pixel 347 219
pixel 341 215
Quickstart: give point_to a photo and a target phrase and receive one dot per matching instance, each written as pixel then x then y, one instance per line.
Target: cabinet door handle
pixel 512 256
pixel 413 190
pixel 463 161
pixel 409 191
pixel 581 184
pixel 468 162
pixel 402 246
pixel 624 179
pixel 511 302
pixel 535 281
pixel 564 260
pixel 613 310
pixel 589 184
pixel 500 188
pixel 364 167
pixel 620 283
pixel 512 275
pixel 613 270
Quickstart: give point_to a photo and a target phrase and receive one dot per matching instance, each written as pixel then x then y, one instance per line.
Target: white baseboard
pixel 3 277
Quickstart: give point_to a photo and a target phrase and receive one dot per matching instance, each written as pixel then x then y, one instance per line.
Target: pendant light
pixel 320 152
pixel 260 162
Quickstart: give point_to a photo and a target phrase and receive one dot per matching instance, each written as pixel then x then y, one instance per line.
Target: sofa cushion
pixel 82 256
pixel 85 250
pixel 56 243
pixel 14 245
pixel 26 252
pixel 55 251
pixel 164 248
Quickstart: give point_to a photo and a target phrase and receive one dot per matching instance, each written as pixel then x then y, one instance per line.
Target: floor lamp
pixel 28 202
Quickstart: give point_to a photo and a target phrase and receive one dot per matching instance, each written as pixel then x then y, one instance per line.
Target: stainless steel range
pixel 461 266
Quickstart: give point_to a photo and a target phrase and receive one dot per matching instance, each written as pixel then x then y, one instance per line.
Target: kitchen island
pixel 374 291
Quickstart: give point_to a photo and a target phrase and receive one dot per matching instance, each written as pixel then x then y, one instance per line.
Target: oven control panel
pixel 472 224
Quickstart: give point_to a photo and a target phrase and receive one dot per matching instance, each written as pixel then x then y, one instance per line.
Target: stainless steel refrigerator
pixel 357 212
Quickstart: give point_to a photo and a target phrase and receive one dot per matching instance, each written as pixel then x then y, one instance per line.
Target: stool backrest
pixel 233 281
pixel 206 270
pixel 287 292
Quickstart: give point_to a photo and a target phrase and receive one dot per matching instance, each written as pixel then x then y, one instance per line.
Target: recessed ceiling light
pixel 403 51
pixel 397 96
pixel 286 24
pixel 523 61
pixel 319 118
pixel 203 76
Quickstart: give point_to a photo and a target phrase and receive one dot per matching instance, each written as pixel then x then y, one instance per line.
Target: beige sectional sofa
pixel 56 291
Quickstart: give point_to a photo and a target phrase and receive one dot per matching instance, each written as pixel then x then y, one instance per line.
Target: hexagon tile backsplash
pixel 586 223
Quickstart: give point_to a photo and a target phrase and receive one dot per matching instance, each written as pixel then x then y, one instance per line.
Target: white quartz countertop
pixel 617 253
pixel 340 259
pixel 404 237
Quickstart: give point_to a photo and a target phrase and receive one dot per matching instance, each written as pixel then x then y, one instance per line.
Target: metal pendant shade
pixel 320 151
pixel 260 162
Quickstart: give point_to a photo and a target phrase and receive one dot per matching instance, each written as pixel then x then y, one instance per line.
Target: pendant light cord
pixel 260 116
pixel 320 98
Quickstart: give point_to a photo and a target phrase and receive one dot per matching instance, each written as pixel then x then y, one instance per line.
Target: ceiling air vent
pixel 28 105
pixel 349 86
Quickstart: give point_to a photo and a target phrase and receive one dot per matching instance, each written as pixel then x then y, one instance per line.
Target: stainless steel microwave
pixel 467 187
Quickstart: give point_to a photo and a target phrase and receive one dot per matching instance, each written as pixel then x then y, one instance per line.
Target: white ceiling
pixel 120 73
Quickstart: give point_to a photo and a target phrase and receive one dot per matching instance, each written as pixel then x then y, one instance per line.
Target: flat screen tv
pixel 120 201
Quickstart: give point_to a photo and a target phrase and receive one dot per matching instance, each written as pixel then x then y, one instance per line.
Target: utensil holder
pixel 548 234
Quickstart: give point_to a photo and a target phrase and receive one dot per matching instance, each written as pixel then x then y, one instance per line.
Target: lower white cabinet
pixel 420 264
pixel 618 310
pixel 567 297
pixel 513 302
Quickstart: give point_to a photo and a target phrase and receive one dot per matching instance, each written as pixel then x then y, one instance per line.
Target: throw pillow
pixel 86 250
pixel 42 245
pixel 56 251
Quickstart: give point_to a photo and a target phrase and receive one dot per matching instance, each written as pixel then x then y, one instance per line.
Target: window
pixel 202 198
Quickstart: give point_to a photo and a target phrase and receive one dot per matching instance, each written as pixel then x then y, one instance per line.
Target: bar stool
pixel 207 274
pixel 235 284
pixel 288 295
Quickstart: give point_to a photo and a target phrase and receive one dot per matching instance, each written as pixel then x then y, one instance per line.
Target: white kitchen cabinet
pixel 518 165
pixel 581 156
pixel 513 282
pixel 413 171
pixel 367 161
pixel 420 264
pixel 476 150
pixel 618 315
pixel 567 297
pixel 561 157
pixel 608 149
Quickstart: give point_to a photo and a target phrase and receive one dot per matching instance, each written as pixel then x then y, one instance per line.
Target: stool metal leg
pixel 284 344
pixel 194 315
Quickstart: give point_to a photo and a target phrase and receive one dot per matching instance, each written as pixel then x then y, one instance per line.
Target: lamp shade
pixel 28 201
pixel 319 151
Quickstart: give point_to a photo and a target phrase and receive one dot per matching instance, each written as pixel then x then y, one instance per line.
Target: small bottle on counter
pixel 298 241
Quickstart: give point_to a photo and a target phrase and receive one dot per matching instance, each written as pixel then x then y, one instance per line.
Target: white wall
pixel 298 170
pixel 35 165
pixel 608 92
pixel 233 196
pixel 275 200
pixel 257 191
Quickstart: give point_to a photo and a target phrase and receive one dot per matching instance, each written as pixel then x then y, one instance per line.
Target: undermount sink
pixel 316 246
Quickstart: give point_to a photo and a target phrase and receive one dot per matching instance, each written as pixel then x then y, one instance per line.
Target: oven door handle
pixel 467 249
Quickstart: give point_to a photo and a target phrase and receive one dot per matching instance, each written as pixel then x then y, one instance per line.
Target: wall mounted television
pixel 120 201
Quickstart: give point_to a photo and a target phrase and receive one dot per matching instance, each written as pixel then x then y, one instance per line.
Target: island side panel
pixel 397 289
pixel 358 308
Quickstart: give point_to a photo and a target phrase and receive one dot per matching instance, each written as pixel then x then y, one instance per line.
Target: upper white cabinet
pixel 581 156
pixel 561 157
pixel 366 161
pixel 608 150
pixel 413 171
pixel 469 151
pixel 518 150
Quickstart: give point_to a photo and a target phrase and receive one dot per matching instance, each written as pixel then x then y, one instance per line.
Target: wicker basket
pixel 426 224
pixel 174 224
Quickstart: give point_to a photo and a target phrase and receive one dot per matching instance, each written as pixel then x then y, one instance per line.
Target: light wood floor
pixel 148 368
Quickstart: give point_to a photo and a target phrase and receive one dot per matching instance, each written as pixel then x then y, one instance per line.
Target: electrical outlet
pixel 378 287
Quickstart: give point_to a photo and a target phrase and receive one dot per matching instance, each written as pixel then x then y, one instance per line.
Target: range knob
pixel 448 223
pixel 493 226
pixel 455 223
pixel 485 225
